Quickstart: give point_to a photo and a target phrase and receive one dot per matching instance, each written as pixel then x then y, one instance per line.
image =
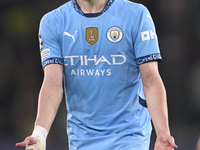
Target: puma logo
pixel 72 36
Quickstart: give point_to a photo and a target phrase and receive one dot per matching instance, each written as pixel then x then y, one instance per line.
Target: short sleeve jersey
pixel 100 54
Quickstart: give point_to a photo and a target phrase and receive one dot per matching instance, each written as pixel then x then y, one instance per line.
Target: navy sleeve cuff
pixel 148 58
pixel 52 61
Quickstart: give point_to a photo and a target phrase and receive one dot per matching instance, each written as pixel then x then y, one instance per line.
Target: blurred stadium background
pixel 178 28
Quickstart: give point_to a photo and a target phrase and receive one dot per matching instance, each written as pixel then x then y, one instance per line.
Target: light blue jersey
pixel 100 54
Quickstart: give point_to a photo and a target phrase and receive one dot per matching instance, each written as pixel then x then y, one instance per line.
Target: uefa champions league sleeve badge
pixel 40 42
pixel 114 34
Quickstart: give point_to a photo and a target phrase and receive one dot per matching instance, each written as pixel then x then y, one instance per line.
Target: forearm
pixel 156 100
pixel 155 94
pixel 49 100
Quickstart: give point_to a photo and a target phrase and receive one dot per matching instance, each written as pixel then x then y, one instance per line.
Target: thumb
pixel 28 141
pixel 172 143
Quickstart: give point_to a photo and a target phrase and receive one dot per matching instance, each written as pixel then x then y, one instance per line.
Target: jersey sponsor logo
pixel 40 42
pixel 84 60
pixel 148 35
pixel 114 34
pixel 91 35
pixel 72 36
pixel 90 72
pixel 45 53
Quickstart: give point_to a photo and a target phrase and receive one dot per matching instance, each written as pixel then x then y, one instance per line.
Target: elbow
pixel 152 83
pixel 150 80
pixel 50 89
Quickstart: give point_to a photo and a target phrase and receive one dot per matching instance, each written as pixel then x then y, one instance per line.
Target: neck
pixel 91 6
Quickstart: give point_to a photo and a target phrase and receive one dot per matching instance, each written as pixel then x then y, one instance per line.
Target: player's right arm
pixel 51 91
pixel 50 95
pixel 49 100
pixel 198 144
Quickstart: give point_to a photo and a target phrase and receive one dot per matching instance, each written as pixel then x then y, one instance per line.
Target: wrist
pixel 163 136
pixel 164 130
pixel 40 131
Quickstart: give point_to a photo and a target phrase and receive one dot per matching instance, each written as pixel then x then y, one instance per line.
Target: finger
pixel 174 146
pixel 172 143
pixel 27 141
pixel 21 144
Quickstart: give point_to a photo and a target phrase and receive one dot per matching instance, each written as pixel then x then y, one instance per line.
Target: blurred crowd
pixel 178 28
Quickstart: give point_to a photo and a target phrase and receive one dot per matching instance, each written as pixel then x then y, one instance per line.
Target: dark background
pixel 178 28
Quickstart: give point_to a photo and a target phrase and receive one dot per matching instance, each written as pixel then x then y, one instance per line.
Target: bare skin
pixel 155 94
pixel 198 144
pixel 153 88
pixel 91 6
pixel 49 100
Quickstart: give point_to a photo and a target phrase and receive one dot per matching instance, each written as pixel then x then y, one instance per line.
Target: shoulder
pixel 131 6
pixel 129 11
pixel 58 13
pixel 52 22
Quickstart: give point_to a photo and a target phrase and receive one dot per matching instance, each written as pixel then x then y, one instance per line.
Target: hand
pixel 28 141
pixel 165 142
pixel 33 143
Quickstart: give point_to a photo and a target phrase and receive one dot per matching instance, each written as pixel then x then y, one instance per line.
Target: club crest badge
pixel 114 34
pixel 91 35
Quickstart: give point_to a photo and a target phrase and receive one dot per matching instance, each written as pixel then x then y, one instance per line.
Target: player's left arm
pixel 198 144
pixel 155 94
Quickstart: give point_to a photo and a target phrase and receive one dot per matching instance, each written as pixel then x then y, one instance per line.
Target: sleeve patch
pixel 40 42
pixel 45 53
pixel 148 58
pixel 52 61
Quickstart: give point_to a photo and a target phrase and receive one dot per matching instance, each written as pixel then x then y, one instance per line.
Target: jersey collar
pixel 78 9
